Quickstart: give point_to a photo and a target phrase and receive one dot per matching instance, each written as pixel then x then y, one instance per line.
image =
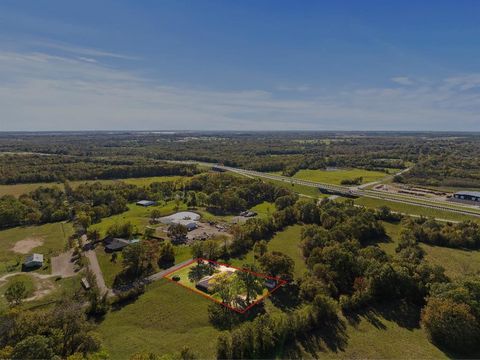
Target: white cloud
pixel 402 80
pixel 39 91
pixel 79 50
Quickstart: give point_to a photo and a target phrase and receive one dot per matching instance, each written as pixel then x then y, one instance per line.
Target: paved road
pixel 355 191
pixel 162 273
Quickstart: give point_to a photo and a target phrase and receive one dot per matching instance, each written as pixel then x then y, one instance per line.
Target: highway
pixel 351 191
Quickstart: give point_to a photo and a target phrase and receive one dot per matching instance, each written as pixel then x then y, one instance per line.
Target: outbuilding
pixel 145 203
pixel 117 244
pixel 33 260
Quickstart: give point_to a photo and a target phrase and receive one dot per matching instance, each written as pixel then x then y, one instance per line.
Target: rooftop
pixel 468 193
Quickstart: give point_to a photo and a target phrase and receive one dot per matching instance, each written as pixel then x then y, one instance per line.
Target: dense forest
pixel 435 159
pixel 32 168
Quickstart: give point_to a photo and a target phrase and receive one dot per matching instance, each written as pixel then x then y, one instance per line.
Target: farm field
pixel 48 239
pixel 336 176
pixel 413 209
pixel 166 317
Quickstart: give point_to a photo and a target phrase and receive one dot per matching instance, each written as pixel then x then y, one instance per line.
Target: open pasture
pixel 335 176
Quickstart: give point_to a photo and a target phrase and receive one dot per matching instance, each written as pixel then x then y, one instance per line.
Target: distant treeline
pixel 436 159
pixel 30 168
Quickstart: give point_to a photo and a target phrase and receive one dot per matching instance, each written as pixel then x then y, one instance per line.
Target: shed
pixel 33 260
pixel 145 203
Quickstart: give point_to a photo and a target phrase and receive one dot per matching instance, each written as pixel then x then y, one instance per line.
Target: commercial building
pixel 473 196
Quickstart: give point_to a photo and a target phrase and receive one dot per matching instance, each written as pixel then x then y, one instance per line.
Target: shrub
pixel 451 325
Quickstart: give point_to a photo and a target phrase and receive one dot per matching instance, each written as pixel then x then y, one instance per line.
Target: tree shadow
pixel 402 313
pixel 286 297
pixel 331 337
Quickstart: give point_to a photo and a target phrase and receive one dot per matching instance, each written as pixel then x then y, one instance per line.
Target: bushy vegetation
pixel 465 234
pixel 60 331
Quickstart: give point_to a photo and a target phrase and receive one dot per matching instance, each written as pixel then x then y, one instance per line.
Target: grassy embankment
pixel 413 209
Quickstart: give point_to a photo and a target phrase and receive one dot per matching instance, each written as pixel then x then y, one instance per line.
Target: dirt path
pixel 42 288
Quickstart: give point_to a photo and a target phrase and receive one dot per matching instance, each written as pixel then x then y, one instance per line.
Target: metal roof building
pixel 468 195
pixel 145 202
pixel 33 260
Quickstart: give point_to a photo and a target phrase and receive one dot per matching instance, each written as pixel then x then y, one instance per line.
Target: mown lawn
pixel 54 237
pixel 163 320
pixel 413 209
pixel 109 268
pixel 336 176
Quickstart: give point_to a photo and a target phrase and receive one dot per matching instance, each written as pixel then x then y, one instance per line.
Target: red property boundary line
pixel 279 281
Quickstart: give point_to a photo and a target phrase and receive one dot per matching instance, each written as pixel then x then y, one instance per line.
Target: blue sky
pixel 239 65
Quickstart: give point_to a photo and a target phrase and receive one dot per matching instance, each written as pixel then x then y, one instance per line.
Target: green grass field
pixel 139 216
pixel 336 176
pixel 413 209
pixel 457 262
pixel 374 336
pixel 27 280
pixel 54 237
pixel 163 320
pixel 287 242
pixel 111 269
pixel 264 209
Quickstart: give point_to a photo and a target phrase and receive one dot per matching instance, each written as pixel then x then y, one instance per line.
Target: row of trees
pixel 465 234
